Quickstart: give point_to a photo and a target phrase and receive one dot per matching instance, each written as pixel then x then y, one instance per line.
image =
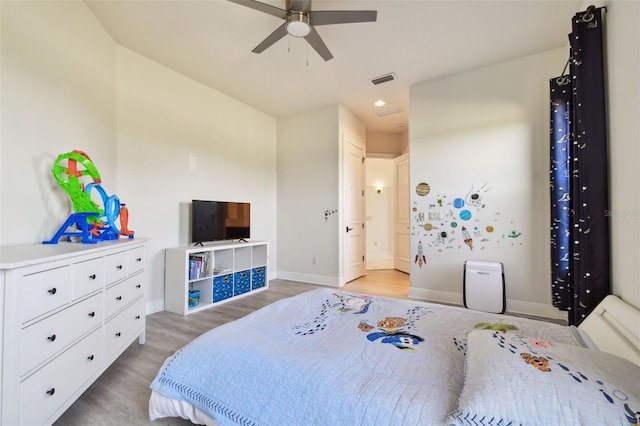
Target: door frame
pixel 401 221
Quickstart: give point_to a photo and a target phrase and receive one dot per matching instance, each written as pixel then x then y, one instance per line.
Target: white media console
pixel 199 277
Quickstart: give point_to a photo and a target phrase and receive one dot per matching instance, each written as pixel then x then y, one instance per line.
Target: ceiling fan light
pixel 298 24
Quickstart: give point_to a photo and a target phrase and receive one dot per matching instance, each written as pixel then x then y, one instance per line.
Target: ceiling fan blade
pixel 330 17
pixel 313 38
pixel 262 7
pixel 280 32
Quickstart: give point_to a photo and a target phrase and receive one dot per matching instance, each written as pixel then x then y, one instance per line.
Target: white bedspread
pixel 331 358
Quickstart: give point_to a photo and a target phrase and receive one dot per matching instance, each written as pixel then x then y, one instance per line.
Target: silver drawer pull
pixel 92 314
pixel 52 337
pixel 90 357
pixel 119 298
pixel 53 290
pixel 93 276
pixel 119 267
pixel 51 391
pixel 118 334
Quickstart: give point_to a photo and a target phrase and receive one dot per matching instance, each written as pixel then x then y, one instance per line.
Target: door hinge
pixel 363 258
pixel 363 158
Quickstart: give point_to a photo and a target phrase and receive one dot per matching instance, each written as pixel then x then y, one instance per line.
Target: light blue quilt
pixel 327 357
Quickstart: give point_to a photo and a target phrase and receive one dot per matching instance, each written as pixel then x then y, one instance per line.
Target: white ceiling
pixel 418 40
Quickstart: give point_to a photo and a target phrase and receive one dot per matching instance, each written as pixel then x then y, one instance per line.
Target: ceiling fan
pixel 299 21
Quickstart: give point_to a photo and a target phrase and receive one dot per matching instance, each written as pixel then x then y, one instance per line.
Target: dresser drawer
pixel 122 328
pixel 52 334
pixel 121 294
pixel 44 291
pixel 116 267
pixel 45 391
pixel 136 260
pixel 87 277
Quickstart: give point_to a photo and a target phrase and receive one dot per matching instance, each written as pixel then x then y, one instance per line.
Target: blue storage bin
pixel 222 287
pixel 258 277
pixel 241 282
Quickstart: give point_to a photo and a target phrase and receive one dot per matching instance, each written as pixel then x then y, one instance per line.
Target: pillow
pixel 517 380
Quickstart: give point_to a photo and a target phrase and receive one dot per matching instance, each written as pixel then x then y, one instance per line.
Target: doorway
pixel 387 224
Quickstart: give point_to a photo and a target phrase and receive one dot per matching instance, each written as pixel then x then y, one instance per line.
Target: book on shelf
pixel 198 265
pixel 220 270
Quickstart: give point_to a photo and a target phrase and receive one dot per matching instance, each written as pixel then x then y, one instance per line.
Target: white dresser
pixel 68 311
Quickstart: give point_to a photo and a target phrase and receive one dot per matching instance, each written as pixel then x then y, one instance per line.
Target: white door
pixel 401 211
pixel 354 210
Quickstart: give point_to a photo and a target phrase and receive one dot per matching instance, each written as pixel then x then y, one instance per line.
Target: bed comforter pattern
pixel 326 357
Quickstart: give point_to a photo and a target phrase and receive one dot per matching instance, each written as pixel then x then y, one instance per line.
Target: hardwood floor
pixel 381 282
pixel 121 395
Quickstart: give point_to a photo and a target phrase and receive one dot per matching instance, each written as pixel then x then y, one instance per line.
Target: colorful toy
pixel 89 222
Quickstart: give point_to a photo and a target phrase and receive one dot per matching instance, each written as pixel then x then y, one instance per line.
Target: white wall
pixel 58 94
pixel 379 209
pixel 307 187
pixel 163 119
pixel 309 179
pixel 67 85
pixel 623 68
pixel 485 132
pixel 622 41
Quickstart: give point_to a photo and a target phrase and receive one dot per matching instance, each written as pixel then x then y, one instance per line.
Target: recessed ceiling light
pixel 380 103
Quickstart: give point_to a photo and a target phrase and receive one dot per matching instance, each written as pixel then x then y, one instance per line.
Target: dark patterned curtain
pixel 560 190
pixel 579 176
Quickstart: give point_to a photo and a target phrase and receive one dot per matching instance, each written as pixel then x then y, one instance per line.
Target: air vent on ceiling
pixel 383 78
pixel 388 111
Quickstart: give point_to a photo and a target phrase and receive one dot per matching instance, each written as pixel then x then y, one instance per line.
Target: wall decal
pixel 423 189
pixel 463 223
pixel 467 238
pixel 420 257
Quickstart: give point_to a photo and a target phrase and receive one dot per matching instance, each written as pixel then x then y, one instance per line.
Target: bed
pixel 327 357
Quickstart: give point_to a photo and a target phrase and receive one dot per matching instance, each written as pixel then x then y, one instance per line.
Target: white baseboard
pixel 380 264
pixel 514 306
pixel 436 296
pixel 309 278
pixel 537 309
pixel 154 306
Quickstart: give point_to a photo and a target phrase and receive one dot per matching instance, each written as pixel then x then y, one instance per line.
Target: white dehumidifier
pixel 483 286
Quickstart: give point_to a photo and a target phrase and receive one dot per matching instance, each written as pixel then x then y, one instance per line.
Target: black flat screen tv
pixel 219 220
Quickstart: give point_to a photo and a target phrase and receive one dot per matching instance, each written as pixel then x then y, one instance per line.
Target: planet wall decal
pixel 458 203
pixel 423 189
pixel 465 215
